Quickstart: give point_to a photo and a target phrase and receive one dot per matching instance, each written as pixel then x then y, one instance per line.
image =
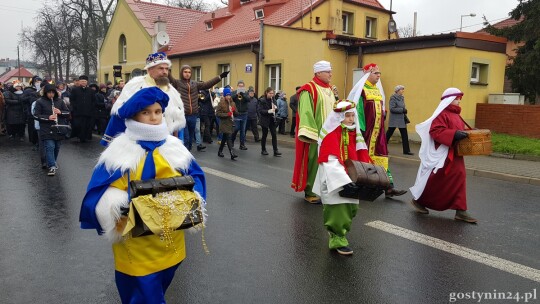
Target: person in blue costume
pixel 145 265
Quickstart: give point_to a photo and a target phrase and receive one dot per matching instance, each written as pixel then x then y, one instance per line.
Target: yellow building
pixel 274 43
pixel 132 35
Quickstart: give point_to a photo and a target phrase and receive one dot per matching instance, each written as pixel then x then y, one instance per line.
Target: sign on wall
pixel 249 67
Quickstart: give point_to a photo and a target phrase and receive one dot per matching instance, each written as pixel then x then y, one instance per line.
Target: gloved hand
pixel 459 135
pixel 404 111
pixel 230 114
pixel 224 74
pixel 350 190
pixel 124 211
pixel 271 111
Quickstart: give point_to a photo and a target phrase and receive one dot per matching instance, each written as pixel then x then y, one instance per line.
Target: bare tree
pixel 407 31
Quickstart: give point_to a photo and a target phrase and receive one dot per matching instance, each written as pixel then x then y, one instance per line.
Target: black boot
pixel 277 153
pixel 233 155
pixel 220 152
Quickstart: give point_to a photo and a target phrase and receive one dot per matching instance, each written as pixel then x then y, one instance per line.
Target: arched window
pixel 122 49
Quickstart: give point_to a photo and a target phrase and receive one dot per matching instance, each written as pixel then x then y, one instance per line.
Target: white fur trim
pixel 108 211
pixel 174 112
pixel 131 154
pixel 175 153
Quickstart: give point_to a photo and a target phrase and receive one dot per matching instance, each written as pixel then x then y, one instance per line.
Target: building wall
pixel 521 120
pixel 330 17
pixel 209 63
pixel 425 76
pixel 297 52
pixel 139 43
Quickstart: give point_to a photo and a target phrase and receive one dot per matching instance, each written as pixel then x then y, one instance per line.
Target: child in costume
pixel 144 265
pixel 340 139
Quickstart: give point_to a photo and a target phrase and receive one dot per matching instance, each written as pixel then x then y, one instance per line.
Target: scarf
pixel 149 137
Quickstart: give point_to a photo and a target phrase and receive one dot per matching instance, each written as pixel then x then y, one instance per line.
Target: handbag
pixel 160 206
pixel 406 119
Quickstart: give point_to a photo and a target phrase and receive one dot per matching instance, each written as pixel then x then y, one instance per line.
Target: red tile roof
pixel 15 73
pixel 503 24
pixel 179 20
pixel 242 28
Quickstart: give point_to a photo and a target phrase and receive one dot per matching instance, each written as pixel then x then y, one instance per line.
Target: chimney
pixel 233 5
pixel 160 25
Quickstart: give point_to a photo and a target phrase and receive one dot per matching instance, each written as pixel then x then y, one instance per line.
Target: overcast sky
pixel 434 16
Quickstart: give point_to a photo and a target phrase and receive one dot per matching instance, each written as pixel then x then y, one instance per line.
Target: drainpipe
pixel 360 57
pixel 257 54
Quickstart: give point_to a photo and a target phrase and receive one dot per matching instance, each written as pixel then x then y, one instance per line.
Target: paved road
pixel 267 245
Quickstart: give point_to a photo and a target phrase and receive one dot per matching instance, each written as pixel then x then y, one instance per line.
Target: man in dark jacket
pixel 208 115
pixel 189 91
pixel 83 107
pixel 293 104
pixel 31 94
pixel 241 100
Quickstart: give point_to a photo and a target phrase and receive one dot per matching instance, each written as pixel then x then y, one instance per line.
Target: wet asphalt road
pixel 266 245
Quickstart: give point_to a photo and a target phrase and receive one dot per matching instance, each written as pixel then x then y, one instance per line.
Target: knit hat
pixel 142 99
pixel 398 87
pixel 322 66
pixel 156 59
pixel 227 92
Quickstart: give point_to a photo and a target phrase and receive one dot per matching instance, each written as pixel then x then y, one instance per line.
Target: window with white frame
pixel 122 49
pixel 479 73
pixel 371 27
pixel 347 18
pixel 274 76
pixel 224 68
pixel 196 73
pixel 259 13
pixel 209 26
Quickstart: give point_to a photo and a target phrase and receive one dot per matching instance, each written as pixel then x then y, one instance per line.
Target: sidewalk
pixel 496 167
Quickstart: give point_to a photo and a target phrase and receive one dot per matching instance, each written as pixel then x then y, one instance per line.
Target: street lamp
pixel 468 15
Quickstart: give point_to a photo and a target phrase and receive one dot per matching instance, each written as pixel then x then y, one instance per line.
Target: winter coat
pixel 15 109
pixel 222 111
pixel 42 111
pixel 242 102
pixel 101 107
pixel 206 106
pixel 397 109
pixel 30 94
pixel 265 118
pixel 282 110
pixel 83 102
pixel 189 92
pixel 293 104
pixel 252 107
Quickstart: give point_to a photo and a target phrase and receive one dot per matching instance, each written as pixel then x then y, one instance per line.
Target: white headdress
pixel 432 159
pixel 322 66
pixel 334 119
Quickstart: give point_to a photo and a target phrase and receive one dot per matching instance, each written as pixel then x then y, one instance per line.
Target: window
pixel 274 76
pixel 122 49
pixel 259 13
pixel 347 23
pixel 371 27
pixel 106 77
pixel 223 68
pixel 127 77
pixel 196 73
pixel 209 26
pixel 479 73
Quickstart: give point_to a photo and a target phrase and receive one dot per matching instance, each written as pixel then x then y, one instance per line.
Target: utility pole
pixel 19 64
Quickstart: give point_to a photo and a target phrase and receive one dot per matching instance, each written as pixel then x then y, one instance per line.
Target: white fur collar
pixel 124 153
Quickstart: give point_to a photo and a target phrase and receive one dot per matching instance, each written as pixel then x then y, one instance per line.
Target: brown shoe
pixel 462 215
pixel 419 208
pixel 312 199
pixel 393 192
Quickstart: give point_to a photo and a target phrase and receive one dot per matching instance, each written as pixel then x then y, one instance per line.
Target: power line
pixel 456 29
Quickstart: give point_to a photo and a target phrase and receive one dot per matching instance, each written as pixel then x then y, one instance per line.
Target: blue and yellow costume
pixel 144 265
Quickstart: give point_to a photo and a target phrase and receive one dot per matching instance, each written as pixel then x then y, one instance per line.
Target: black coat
pixel 83 102
pixel 206 107
pixel 15 108
pixel 266 119
pixel 43 110
pixel 30 94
